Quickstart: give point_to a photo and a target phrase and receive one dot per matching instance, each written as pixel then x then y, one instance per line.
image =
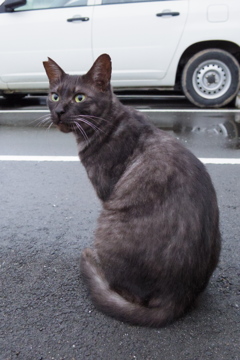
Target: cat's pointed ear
pixel 100 72
pixel 53 70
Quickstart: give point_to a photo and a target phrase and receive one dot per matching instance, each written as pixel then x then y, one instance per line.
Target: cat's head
pixel 74 101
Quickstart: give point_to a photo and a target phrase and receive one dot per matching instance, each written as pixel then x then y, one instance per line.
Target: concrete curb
pixel 22 117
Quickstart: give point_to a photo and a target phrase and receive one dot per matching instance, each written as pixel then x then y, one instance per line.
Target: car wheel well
pixel 228 46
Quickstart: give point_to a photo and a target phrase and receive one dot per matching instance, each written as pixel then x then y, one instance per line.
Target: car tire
pixel 211 78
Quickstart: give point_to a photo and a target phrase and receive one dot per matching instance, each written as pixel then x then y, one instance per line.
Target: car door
pixel 140 36
pixel 57 29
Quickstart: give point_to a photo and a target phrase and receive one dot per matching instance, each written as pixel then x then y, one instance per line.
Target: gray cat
pixel 157 240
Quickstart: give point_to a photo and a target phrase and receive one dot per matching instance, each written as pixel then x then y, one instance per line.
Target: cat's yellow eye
pixel 79 98
pixel 55 97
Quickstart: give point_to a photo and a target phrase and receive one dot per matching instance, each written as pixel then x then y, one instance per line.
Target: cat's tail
pixel 113 304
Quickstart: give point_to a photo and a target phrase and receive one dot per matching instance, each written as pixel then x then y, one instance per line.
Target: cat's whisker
pixel 49 127
pixel 41 121
pixel 41 118
pixel 93 126
pixel 44 116
pixel 81 130
pixel 97 118
pixel 35 122
pixel 45 122
pixel 92 117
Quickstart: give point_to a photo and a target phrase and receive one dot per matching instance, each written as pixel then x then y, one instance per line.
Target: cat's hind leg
pixel 89 256
pixel 113 304
pixel 91 270
pixel 104 298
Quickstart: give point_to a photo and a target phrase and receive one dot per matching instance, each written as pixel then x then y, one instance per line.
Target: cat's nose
pixel 60 111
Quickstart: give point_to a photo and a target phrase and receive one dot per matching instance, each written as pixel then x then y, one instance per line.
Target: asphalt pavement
pixel 48 212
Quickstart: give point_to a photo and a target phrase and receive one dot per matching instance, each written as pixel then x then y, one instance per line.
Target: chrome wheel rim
pixel 211 79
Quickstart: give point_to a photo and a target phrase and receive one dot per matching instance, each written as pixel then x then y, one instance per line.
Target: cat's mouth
pixel 64 128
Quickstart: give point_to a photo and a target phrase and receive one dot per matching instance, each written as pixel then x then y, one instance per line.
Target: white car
pixel 188 45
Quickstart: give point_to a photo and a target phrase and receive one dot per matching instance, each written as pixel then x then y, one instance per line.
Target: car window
pixel 107 2
pixel 50 4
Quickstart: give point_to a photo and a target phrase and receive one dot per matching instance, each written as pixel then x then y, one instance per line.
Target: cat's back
pixel 161 166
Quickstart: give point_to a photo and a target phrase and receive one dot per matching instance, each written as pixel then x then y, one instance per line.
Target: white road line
pixel 190 111
pixel 22 111
pixel 38 158
pixel 217 161
pixel 220 161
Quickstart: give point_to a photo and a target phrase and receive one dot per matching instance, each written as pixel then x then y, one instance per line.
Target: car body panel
pixel 32 36
pixel 137 42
